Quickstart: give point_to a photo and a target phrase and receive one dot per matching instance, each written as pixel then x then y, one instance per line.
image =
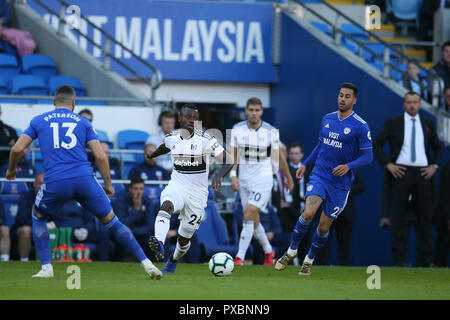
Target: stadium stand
pixel 9 67
pixel 39 65
pixel 56 81
pixel 29 85
pixel 10 202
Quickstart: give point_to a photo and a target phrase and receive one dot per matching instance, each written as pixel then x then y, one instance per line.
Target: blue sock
pixel 41 238
pixel 318 241
pixel 124 236
pixel 300 229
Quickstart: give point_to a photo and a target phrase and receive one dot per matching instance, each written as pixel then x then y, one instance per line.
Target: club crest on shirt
pixel 347 130
pixel 310 187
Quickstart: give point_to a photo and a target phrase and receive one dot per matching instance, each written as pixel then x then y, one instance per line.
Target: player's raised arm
pixel 16 154
pixel 101 160
pixel 162 149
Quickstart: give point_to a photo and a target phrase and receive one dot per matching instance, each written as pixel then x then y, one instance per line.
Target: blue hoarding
pixel 199 41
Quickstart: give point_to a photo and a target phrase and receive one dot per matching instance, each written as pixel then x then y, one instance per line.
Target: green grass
pixel 194 281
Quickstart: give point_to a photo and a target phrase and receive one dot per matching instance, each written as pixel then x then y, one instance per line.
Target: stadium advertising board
pixel 199 41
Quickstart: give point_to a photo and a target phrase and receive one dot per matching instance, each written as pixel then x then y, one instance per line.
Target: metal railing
pixel 156 78
pixel 434 82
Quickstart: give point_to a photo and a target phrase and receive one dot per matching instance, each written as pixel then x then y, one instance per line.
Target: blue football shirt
pixel 340 143
pixel 63 136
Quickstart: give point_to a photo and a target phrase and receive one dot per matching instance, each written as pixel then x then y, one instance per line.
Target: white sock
pixel 46 267
pixel 248 229
pixel 307 259
pixel 291 252
pixel 24 259
pixel 146 263
pixel 260 235
pixel 4 257
pixel 180 251
pixel 162 225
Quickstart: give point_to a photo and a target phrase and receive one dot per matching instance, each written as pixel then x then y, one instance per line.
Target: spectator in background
pixel 24 168
pixel 443 219
pixel 87 114
pixel 413 81
pixel 426 21
pixel 411 164
pixel 5 14
pixel 343 226
pixel 442 68
pixel 86 228
pixel 5 238
pixel 22 226
pixel 114 166
pixel 149 169
pixel 166 121
pixel 8 137
pixel 272 226
pixel 134 209
pixel 445 105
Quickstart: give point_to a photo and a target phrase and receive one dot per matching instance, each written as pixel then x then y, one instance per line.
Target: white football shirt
pixel 191 158
pixel 255 148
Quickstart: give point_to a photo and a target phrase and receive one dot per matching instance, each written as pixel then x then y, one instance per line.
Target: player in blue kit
pixel 344 144
pixel 63 136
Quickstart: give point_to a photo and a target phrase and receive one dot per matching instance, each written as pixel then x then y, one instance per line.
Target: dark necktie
pixel 413 141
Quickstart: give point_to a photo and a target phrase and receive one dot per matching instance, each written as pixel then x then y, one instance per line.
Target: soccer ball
pixel 221 264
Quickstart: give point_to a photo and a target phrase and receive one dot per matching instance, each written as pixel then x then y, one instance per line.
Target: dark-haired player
pixel 344 144
pixel 187 191
pixel 63 137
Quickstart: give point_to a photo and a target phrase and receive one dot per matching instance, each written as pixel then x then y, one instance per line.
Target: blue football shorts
pixel 84 189
pixel 334 198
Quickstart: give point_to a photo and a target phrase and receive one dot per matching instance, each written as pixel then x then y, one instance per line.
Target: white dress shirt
pixel 404 157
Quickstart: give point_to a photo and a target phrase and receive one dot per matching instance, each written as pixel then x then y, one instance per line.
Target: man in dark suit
pixel 343 226
pixel 411 164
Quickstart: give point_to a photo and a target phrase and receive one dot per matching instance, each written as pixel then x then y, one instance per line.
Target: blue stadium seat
pixel 29 85
pixel 39 65
pixel 210 193
pixel 212 233
pixel 355 31
pixel 128 163
pixel 405 9
pixel 394 74
pixel 378 48
pixel 132 138
pixel 152 191
pixel 3 86
pixel 75 83
pixel 103 137
pixel 10 203
pixel 118 188
pixel 9 67
pixel 322 27
pixel 13 187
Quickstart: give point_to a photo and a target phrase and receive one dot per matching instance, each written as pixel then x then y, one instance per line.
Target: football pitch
pixel 123 281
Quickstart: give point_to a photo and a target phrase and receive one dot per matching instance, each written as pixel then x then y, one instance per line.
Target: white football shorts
pixel 190 206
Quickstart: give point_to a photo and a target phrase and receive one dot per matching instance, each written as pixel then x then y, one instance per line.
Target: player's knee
pixel 308 215
pixel 322 229
pixel 108 218
pixel 167 206
pixel 4 231
pixel 24 232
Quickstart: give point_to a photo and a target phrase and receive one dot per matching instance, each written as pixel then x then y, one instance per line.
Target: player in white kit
pixel 187 191
pixel 255 144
